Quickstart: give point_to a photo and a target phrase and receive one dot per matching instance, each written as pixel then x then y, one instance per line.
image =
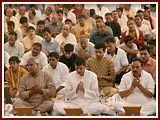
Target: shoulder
pixel 90 73
pixel 120 51
pixel 27 54
pixel 91 59
pixel 62 65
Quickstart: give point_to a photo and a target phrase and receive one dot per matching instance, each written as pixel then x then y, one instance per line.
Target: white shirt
pixel 59 74
pixel 6 59
pixel 146 22
pixel 24 30
pixel 27 42
pixel 131 12
pixel 16 50
pixel 137 97
pixel 102 12
pixel 124 18
pixel 123 25
pixel 41 59
pixel 18 16
pixel 89 50
pixel 70 16
pixel 69 39
pixel 120 59
pixel 90 83
pixel 145 29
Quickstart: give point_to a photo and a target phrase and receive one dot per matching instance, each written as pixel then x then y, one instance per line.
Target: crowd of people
pixel 68 49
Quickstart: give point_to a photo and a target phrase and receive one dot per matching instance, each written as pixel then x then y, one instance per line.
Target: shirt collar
pixel 116 50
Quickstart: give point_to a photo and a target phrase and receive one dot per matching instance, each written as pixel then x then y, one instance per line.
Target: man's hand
pixel 100 76
pixel 35 90
pixel 81 52
pixel 80 87
pixel 135 82
pixel 13 92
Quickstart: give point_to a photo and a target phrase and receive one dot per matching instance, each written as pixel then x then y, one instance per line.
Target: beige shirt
pixel 43 80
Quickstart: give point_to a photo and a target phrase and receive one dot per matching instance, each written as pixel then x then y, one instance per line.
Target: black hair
pixel 68 48
pixel 30 28
pixel 100 45
pixel 99 17
pixel 80 61
pixel 14 58
pixel 46 29
pixel 110 39
pixel 13 33
pixel 127 39
pixel 153 5
pixel 23 19
pixel 137 59
pixel 120 9
pixel 145 47
pixel 54 54
pixel 68 20
pixel 59 12
pixel 40 22
pixel 67 6
pixel 37 44
pixel 140 11
pixel 151 42
pixel 33 11
pixel 11 23
pixel 108 14
pixel 92 12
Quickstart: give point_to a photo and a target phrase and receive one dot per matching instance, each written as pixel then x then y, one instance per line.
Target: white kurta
pixel 148 105
pixel 16 50
pixel 69 39
pixel 88 100
pixel 59 74
pixel 41 59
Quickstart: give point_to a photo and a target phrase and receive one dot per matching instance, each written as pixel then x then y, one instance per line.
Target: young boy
pixel 68 58
pixel 14 74
pixel 129 47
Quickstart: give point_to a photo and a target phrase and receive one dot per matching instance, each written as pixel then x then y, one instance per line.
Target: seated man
pixel 35 53
pixel 36 89
pixel 137 88
pixel 103 67
pixel 118 56
pixel 84 48
pixel 14 74
pixel 81 91
pixel 57 70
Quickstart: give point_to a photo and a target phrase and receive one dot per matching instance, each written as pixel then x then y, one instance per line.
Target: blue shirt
pixel 97 38
pixel 52 46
